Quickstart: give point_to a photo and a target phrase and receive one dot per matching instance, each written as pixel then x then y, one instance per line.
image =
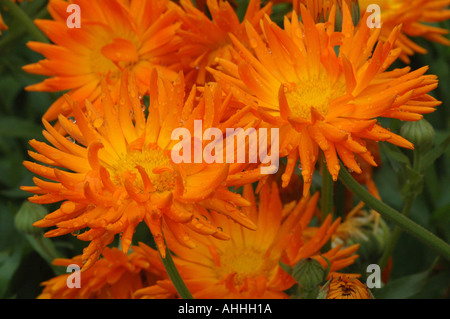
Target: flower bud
pixel 420 133
pixel 27 215
pixel 367 229
pixel 344 286
pixel 308 273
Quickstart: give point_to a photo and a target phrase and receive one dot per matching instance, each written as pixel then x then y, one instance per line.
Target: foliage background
pixel 23 267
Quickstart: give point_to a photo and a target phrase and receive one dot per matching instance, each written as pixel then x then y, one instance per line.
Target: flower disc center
pixel 155 163
pixel 315 93
pixel 245 263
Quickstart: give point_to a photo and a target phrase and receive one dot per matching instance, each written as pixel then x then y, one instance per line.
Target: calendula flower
pixel 114 35
pixel 114 276
pixel 416 17
pixel 206 39
pixel 248 265
pixel 320 99
pixel 113 170
pixel 346 286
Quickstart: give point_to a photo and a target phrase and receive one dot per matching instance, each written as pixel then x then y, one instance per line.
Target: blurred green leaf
pixel 16 127
pixel 430 157
pixel 9 262
pixel 402 288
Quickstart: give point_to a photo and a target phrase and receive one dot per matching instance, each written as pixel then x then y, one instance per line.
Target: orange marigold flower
pixel 248 265
pixel 114 276
pixel 115 35
pixel 415 16
pixel 115 170
pixel 320 99
pixel 346 286
pixel 204 39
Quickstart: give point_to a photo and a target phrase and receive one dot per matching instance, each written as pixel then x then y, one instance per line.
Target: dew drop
pixel 98 122
pixel 68 207
pixel 299 33
pixel 253 43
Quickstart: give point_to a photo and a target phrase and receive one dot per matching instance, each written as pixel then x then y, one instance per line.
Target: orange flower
pixel 115 170
pixel 415 16
pixel 247 266
pixel 294 80
pixel 114 276
pixel 346 286
pixel 204 40
pixel 115 35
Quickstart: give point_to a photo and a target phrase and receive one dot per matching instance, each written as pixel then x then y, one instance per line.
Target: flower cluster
pixel 138 74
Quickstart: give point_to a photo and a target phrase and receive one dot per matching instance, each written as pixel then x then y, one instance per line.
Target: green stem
pixel 406 224
pixel 387 253
pixel 175 277
pixel 326 193
pixel 12 36
pixel 326 206
pixel 16 12
pixel 407 205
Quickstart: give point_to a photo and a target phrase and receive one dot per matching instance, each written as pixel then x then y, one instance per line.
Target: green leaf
pixel 395 156
pixel 11 126
pixel 402 288
pixel 9 262
pixel 430 157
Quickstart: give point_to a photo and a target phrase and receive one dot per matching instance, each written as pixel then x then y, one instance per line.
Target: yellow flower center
pixel 156 164
pixel 314 93
pixel 245 263
pixel 111 56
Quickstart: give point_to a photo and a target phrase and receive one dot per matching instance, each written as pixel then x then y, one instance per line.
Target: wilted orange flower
pixel 114 276
pixel 247 265
pixel 114 35
pixel 294 80
pixel 204 39
pixel 115 170
pixel 416 17
pixel 346 286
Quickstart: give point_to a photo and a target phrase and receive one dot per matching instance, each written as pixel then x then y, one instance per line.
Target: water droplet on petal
pixel 98 122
